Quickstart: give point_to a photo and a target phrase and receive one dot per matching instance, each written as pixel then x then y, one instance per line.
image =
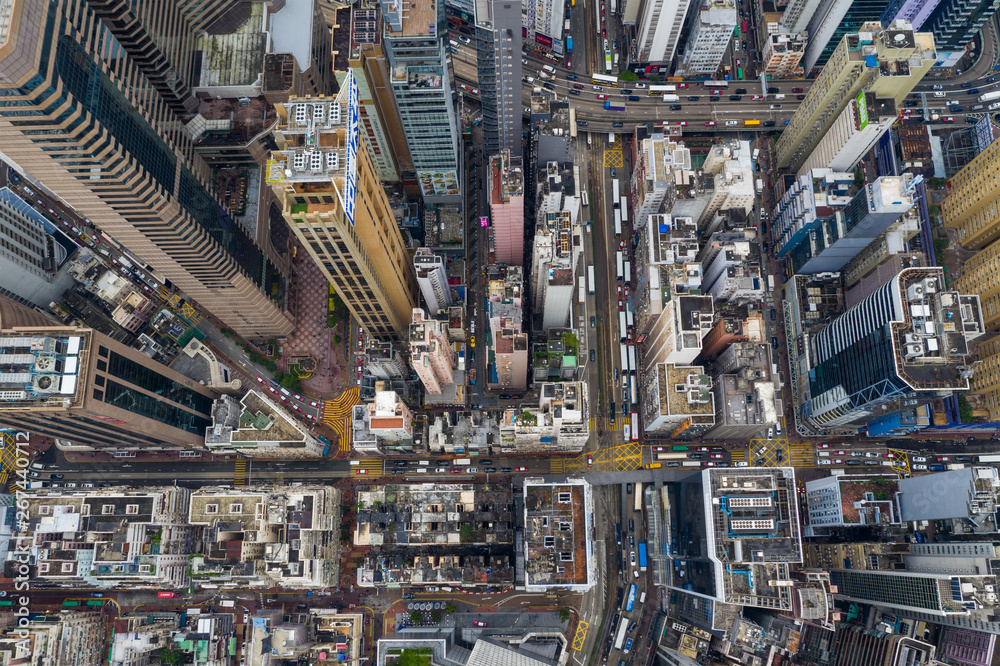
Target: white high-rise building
pixel 660 29
pixel 853 134
pixel 797 15
pixel 543 23
pixel 712 30
pixel 432 280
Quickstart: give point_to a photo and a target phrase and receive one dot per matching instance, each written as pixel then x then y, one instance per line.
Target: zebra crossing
pixel 240 473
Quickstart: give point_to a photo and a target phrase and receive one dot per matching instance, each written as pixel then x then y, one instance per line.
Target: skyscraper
pixel 498 30
pixel 827 28
pixel 955 23
pixel 660 29
pixel 103 102
pixel 543 24
pixel 853 134
pixel 334 204
pixel 415 40
pixel 92 392
pixel 432 280
pixel 972 201
pixel 506 199
pixel 430 352
pixel 713 28
pixel 883 63
pixel 907 338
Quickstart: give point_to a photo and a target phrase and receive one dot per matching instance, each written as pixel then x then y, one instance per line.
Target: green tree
pixel 628 76
pixel 436 616
pixel 449 608
pixel 337 339
pixel 171 656
pixel 564 615
pixel 965 410
pixel 941 244
pixel 416 617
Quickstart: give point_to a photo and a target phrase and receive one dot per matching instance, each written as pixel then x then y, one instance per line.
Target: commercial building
pixel 136 637
pixel 969 495
pixel 268 537
pixel 782 54
pixel 834 20
pixel 332 200
pixel 884 63
pixel 436 534
pixel 810 199
pixel 508 368
pixel 256 426
pixel 732 170
pixel 506 199
pixel 710 34
pixel 835 240
pixel 503 641
pixel 979 277
pixel 460 433
pixel 676 401
pixel 854 645
pixel 915 12
pixel 745 392
pixel 498 41
pixel 660 30
pixel 735 275
pixel 908 338
pixel 30 252
pixel 377 115
pixel 432 280
pixel 559 424
pixel 153 193
pixel 746 541
pixel 955 23
pixel 558 536
pixel 95 394
pixel 675 335
pixel 431 355
pixel 797 15
pixel 986 376
pixel 972 201
pixel 853 134
pixel 556 250
pixel 108 537
pixel 416 39
pixel 661 163
pixel 542 21
pixel 847 499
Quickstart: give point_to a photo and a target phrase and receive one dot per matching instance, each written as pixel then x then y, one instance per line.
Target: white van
pixel 779 96
pixel 549 69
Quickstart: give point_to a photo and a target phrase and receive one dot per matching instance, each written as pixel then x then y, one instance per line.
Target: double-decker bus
pixel 716 85
pixel 662 90
pixel 607 61
pixel 678 455
pixel 602 80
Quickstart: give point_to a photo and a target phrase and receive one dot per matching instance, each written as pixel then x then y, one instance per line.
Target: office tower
pixel 542 21
pixel 498 40
pixel 506 198
pixel 883 63
pixel 835 20
pixel 744 391
pixel 30 254
pixel 969 495
pixel 782 54
pixel 979 276
pixel 986 377
pixel 713 28
pixel 746 539
pixel 731 168
pixel 836 239
pixel 810 199
pixel 853 134
pixel 735 274
pixel 430 352
pixel 660 29
pixel 954 23
pixel 797 15
pixel 378 115
pixel 675 335
pixel 908 338
pixel 432 280
pixel 855 645
pixel 915 12
pixel 415 40
pixel 333 202
pixel 117 149
pixel 970 207
pixel 92 392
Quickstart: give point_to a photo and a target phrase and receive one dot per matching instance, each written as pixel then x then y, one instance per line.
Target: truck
pixel 989 97
pixel 671 99
pixel 614 105
pixel 628 646
pixel 690 463
pixel 642 556
pixel 569 43
pixel 955 466
pixel 622 630
pixel 988 459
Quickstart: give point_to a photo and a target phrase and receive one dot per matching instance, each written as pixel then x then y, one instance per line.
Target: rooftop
pixel 558 532
pixel 44 367
pixel 291 30
pixel 419 18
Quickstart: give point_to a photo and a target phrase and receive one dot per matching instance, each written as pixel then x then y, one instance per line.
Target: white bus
pixel 624 369
pixel 615 196
pixel 583 196
pixel 661 90
pixel 611 137
pixel 629 320
pixel 623 204
pixel 622 330
pixel 618 223
pixel 627 269
pixel 602 80
pixel 632 395
pixel 631 359
pixel 590 278
pixel 620 265
pixel 583 289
